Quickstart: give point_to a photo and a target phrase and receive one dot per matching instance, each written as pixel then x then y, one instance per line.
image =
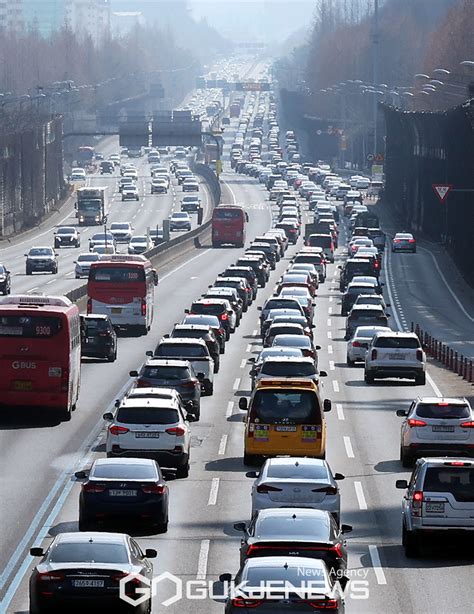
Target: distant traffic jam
pixel 325 230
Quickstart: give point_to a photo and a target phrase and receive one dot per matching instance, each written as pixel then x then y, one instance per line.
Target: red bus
pixel 228 225
pixel 40 352
pixel 122 287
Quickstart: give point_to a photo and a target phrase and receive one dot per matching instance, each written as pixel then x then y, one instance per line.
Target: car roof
pixel 203 327
pixel 284 512
pixel 438 400
pixel 88 536
pixel 367 307
pixel 122 461
pixel 167 362
pixel 291 359
pixel 182 341
pixel 396 333
pixel 95 316
pixel 130 403
pixel 282 561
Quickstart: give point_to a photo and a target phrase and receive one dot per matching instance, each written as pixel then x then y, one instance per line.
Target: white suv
pixel 395 354
pixel 151 428
pixel 435 426
pixel 439 500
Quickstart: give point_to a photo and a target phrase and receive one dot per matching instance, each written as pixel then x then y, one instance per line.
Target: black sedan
pixel 5 280
pixel 98 337
pixel 123 488
pixel 84 570
pixel 297 532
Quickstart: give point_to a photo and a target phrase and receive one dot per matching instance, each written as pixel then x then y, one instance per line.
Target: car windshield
pixel 89 552
pixel 118 226
pixel 166 372
pixel 88 258
pixel 138 240
pixel 397 343
pixel 41 251
pixel 443 410
pixel 459 481
pixel 180 216
pixel 116 274
pixel 124 471
pixel 101 236
pixel 147 415
pixel 287 369
pixel 280 406
pixel 66 231
pixel 181 349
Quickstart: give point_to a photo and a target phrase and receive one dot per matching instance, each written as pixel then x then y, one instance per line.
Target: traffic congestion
pixel 268 428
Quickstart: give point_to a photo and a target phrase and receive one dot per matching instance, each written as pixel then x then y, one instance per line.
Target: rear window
pixel 96 325
pixel 287 369
pixel 89 552
pixel 125 472
pixel 300 471
pixel 441 410
pixel 320 241
pixel 285 407
pixel 166 373
pixel 276 303
pixel 30 327
pixel 227 214
pixel 359 268
pixel 459 481
pixel 188 333
pixel 299 527
pixel 210 308
pixel 366 313
pixel 117 274
pixel 182 349
pixel 285 330
pixel 397 343
pixel 295 576
pixel 147 415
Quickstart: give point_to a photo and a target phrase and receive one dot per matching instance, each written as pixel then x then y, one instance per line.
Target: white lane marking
pixel 335 385
pixel 330 310
pixel 348 446
pixel 329 322
pixel 377 565
pixel 332 366
pixel 330 299
pixel 433 385
pixel 230 409
pixel 193 277
pixel 222 445
pixel 451 291
pixel 214 490
pixel 255 333
pixel 330 350
pixel 33 289
pixel 243 362
pixel 360 495
pixel 51 281
pixel 181 266
pixel 329 334
pixel 340 411
pixel 248 348
pixel 202 560
pixel 236 384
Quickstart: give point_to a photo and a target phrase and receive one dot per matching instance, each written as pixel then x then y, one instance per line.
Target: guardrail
pixel 458 363
pixel 193 236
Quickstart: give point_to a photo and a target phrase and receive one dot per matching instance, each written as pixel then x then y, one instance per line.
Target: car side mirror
pixel 166 336
pixel 340 267
pixel 186 311
pixel 402 413
pixel 317 347
pixel 108 416
pixel 225 577
pixel 402 484
pixel 243 403
pixel 327 405
pixel 133 373
pixel 36 552
pixel 240 526
pixel 323 374
pixel 149 352
pixel 259 308
pixel 117 402
pixel 80 475
pixel 252 474
pixel 339 476
pixel 346 528
pixel 200 375
pixel 387 305
pixel 253 371
pixel 151 553
pixel 190 417
pixel 251 359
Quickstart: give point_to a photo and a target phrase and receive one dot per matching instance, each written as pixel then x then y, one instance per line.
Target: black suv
pixel 5 280
pixel 98 337
pixel 353 268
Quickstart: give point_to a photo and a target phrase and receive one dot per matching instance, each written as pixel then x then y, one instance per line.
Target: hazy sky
pixel 266 20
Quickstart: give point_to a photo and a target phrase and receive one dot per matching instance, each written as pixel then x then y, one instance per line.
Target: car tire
pixel 405 458
pixel 28 271
pixel 217 365
pixel 251 460
pixel 65 414
pixel 350 363
pixel 368 378
pixel 162 527
pixel 410 543
pixel 85 524
pixel 183 471
pixel 420 380
pixel 112 357
pixel 209 389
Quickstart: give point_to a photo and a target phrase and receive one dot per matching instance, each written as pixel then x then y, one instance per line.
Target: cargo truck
pixel 92 205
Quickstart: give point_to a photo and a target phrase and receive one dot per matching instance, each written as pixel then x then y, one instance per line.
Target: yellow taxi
pixel 285 416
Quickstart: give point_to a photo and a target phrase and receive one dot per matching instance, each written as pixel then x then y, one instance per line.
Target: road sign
pixel 441 190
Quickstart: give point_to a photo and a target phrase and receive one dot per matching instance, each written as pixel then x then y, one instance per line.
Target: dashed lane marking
pixel 348 446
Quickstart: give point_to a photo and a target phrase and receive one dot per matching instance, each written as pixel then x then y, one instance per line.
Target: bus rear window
pixel 30 327
pixel 117 274
pixel 227 214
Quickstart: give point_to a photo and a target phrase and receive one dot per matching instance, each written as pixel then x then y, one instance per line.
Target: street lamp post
pixel 375 67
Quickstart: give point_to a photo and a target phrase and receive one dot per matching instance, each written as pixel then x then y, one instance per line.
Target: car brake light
pixel 224 316
pixel 155 489
pixel 190 384
pixel 264 488
pixel 118 430
pixel 143 309
pixel 419 355
pixel 417 502
pixel 356 344
pixel 327 604
pixel 411 240
pixel 373 355
pixel 89 306
pixel 49 576
pixel 467 425
pixel 329 490
pixel 92 487
pixel 240 602
pixel 413 422
pixel 176 430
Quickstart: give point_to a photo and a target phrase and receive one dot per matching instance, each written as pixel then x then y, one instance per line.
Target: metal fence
pixel 31 174
pixel 426 148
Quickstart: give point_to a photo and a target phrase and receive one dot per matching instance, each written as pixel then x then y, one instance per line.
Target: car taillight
pixel 117 430
pixel 467 425
pixel 240 602
pixel 153 489
pixel 143 307
pixel 329 490
pixel 419 355
pixel 91 487
pixel 413 422
pixel 326 604
pixel 411 240
pixel 396 240
pixel 417 502
pixel 224 316
pixel 356 344
pixel 373 355
pixel 188 385
pixel 89 306
pixel 49 576
pixel 176 430
pixel 264 488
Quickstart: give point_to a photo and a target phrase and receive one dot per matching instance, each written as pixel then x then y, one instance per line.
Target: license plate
pixel 396 357
pixel 443 429
pixel 122 493
pixel 88 583
pixel 147 435
pixel 90 340
pixel 286 429
pixel 116 310
pixel 435 507
pixel 22 385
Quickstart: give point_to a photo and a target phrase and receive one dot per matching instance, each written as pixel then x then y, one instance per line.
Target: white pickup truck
pixel 194 350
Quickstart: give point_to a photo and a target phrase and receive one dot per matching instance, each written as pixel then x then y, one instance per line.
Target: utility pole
pixel 375 68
